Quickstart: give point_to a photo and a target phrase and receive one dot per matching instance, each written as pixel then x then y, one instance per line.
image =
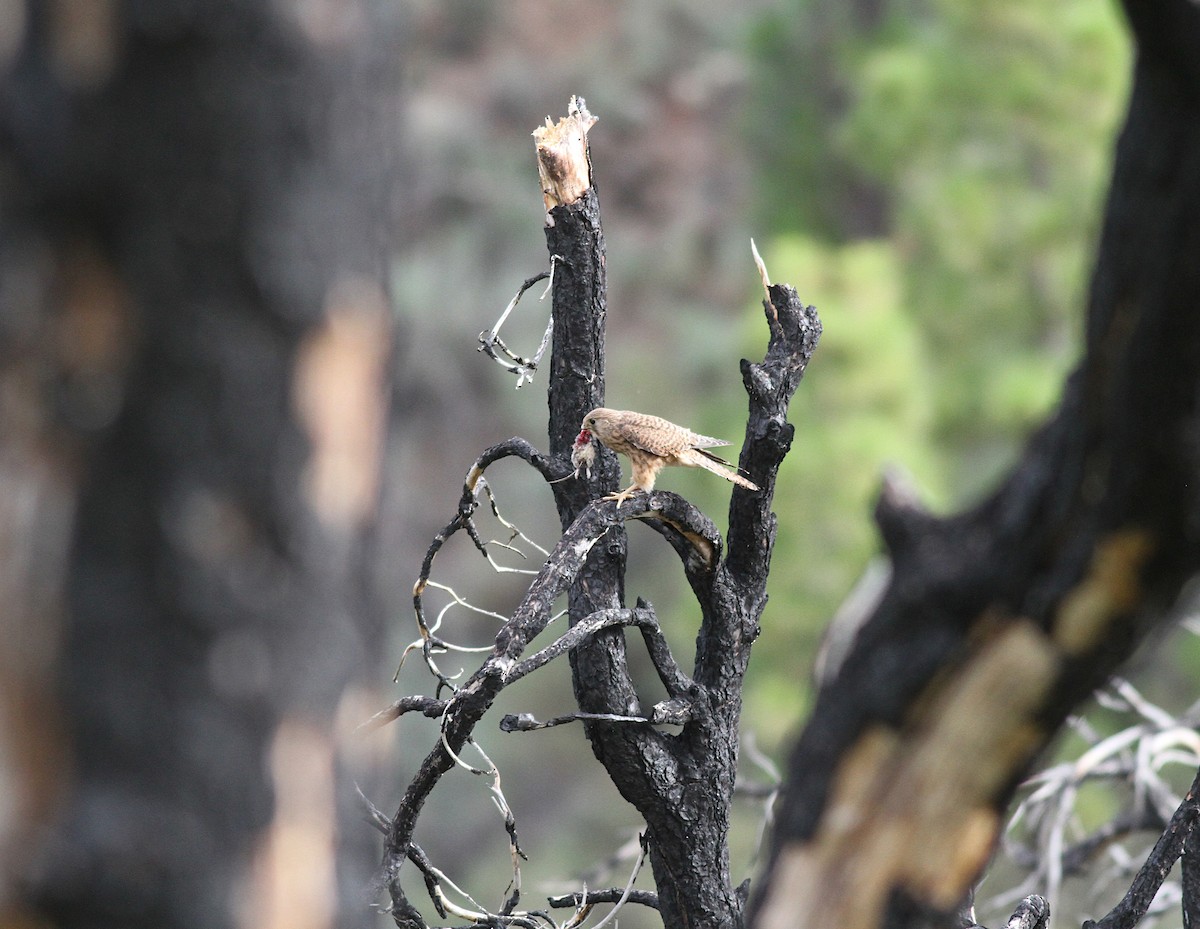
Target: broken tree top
pixel 563 164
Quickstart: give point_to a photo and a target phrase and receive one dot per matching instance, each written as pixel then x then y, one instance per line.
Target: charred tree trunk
pixel 682 784
pixel 194 220
pixel 997 622
pixel 675 761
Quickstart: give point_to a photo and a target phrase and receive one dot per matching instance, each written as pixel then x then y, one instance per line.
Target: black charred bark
pixel 1089 542
pixel 680 781
pixel 1171 845
pixel 682 784
pixel 225 171
pixel 600 669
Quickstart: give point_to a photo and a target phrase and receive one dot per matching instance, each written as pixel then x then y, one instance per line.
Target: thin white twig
pixel 491 343
pixel 637 867
pixel 515 532
pixel 1147 710
pixel 449 751
pixel 501 803
pixel 581 911
pixel 479 915
pixel 462 601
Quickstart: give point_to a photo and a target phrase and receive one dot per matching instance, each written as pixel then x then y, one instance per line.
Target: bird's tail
pixel 718 465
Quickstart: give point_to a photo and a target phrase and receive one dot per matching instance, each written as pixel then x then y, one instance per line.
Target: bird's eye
pixel 592 421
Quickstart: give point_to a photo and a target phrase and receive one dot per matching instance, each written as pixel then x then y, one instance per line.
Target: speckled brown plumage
pixel 651 444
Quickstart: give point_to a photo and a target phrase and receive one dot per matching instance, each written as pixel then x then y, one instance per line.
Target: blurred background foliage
pixel 929 173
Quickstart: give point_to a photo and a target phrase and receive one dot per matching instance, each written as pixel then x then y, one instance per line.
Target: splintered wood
pixel 915 810
pixel 563 165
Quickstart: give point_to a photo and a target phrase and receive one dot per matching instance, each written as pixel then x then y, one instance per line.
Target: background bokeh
pixel 929 174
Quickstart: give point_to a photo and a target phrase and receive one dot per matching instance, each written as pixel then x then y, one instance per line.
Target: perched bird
pixel 651 444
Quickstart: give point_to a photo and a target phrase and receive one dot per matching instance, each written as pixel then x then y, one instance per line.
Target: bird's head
pixel 598 422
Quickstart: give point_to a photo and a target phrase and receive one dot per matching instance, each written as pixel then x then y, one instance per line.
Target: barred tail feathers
pixel 710 462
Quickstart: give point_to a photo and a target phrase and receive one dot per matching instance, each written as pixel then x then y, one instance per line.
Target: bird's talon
pixel 623 495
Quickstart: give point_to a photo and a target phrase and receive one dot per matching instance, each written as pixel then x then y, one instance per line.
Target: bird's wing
pixel 705 441
pixel 661 436
pixel 653 434
pixel 653 441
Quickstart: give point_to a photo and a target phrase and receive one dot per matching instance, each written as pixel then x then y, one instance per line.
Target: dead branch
pixel 681 781
pixel 1031 913
pixel 1168 849
pixel 996 622
pixel 504 666
pixel 493 346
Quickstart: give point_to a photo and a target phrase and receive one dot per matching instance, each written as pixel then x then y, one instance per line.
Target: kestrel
pixel 651 444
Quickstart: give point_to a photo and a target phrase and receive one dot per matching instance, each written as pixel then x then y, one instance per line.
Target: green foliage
pixel 934 174
pixel 867 399
pixel 802 90
pixel 990 126
pixel 985 128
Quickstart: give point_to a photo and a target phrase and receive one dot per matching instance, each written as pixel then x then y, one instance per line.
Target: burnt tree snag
pixel 681 781
pixel 998 621
pixel 196 205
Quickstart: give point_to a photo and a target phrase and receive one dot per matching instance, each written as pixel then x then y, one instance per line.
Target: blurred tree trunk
pixel 997 622
pixel 195 203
